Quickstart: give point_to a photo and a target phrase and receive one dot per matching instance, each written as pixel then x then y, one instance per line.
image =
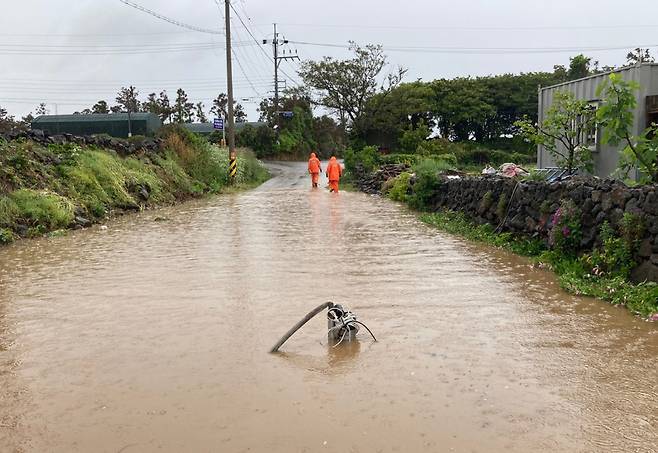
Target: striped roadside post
pixel 233 167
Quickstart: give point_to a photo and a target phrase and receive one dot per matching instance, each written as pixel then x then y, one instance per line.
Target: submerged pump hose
pixel 299 325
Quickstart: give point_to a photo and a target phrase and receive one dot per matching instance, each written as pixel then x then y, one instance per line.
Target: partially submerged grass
pixel 42 189
pixel 641 299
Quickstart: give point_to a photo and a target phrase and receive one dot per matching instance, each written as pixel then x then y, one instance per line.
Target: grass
pixel 573 276
pixel 42 189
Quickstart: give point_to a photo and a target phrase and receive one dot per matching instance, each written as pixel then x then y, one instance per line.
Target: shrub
pixel 566 233
pixel 426 183
pixel 6 236
pixel 368 158
pixel 398 191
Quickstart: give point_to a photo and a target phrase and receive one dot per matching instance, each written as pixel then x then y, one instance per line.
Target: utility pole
pixel 233 159
pixel 276 42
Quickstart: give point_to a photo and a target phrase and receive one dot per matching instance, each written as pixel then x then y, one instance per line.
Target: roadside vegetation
pixel 49 188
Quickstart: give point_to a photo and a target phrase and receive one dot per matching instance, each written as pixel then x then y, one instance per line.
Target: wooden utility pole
pixel 277 61
pixel 233 168
pixel 276 77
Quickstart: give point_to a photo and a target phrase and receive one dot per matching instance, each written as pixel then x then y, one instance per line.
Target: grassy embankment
pixel 44 189
pixel 602 273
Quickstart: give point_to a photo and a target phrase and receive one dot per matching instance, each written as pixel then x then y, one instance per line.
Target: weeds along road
pixel 153 336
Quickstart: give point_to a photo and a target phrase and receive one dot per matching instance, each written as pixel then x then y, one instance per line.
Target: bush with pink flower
pixel 565 233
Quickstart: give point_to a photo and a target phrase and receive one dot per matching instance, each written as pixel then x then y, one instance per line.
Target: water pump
pixel 342 325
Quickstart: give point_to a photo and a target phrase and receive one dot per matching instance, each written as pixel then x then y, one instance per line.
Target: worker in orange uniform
pixel 314 168
pixel 334 172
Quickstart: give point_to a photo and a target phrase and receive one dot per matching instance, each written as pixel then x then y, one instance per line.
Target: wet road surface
pixel 152 336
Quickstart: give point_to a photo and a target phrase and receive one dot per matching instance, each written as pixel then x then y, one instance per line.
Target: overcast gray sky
pixel 70 53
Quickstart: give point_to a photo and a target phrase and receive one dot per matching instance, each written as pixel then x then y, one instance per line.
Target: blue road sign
pixel 288 114
pixel 218 124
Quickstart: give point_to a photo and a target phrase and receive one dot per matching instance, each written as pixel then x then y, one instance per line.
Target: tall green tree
pixel 346 86
pixel 183 109
pixel 100 107
pixel 200 113
pixel 220 108
pixel 42 109
pixel 639 55
pixel 616 114
pixel 151 104
pixel 164 107
pixel 564 131
pixel 128 99
pixel 387 115
pixel 6 121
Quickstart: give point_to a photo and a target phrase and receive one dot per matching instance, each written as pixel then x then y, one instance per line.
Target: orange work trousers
pixel 333 186
pixel 315 177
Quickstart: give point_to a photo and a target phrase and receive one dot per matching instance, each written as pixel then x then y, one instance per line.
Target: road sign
pixel 218 124
pixel 288 114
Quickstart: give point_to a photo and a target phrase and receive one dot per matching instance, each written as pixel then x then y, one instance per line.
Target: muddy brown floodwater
pixel 152 336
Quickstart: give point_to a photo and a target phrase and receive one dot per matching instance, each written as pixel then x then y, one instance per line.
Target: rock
pixel 651 203
pixel 84 223
pixel 645 250
pixel 645 272
pixel 144 193
pixel 619 196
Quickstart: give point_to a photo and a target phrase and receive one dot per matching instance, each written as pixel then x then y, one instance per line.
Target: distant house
pixel 606 157
pixel 207 128
pixel 114 124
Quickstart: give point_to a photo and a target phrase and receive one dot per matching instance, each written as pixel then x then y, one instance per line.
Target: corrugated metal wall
pixel 606 157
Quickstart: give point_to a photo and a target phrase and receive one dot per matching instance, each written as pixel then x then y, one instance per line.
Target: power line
pixel 45 50
pixel 170 20
pixel 260 46
pixel 470 28
pixel 481 50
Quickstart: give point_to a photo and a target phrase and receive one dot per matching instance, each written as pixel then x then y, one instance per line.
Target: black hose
pixel 360 323
pixel 299 325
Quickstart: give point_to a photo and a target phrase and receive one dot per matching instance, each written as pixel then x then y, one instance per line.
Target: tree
pixel 164 107
pixel 220 108
pixel 289 99
pixel 638 56
pixel 42 109
pixel 127 98
pixel 6 120
pixel 183 109
pixel 200 114
pixel 100 108
pixel 616 115
pixel 346 86
pixel 579 67
pixel 151 105
pixel 387 115
pixel 565 131
pixel 463 107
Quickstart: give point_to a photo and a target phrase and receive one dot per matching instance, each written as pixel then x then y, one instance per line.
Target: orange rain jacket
pixel 314 165
pixel 334 170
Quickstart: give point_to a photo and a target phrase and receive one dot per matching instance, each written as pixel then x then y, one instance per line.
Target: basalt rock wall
pixel 528 207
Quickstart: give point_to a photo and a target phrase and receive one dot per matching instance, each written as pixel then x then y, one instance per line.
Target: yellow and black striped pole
pixel 233 167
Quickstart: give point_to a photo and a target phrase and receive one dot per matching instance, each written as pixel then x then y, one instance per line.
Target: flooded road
pixel 152 336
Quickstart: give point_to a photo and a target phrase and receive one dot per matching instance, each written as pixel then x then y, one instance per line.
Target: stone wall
pixel 527 207
pixel 121 146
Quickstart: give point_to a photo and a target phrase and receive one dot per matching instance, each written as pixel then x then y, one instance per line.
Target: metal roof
pixel 94 117
pixel 601 74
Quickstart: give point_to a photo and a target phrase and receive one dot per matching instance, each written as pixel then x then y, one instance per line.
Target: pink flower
pixel 566 231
